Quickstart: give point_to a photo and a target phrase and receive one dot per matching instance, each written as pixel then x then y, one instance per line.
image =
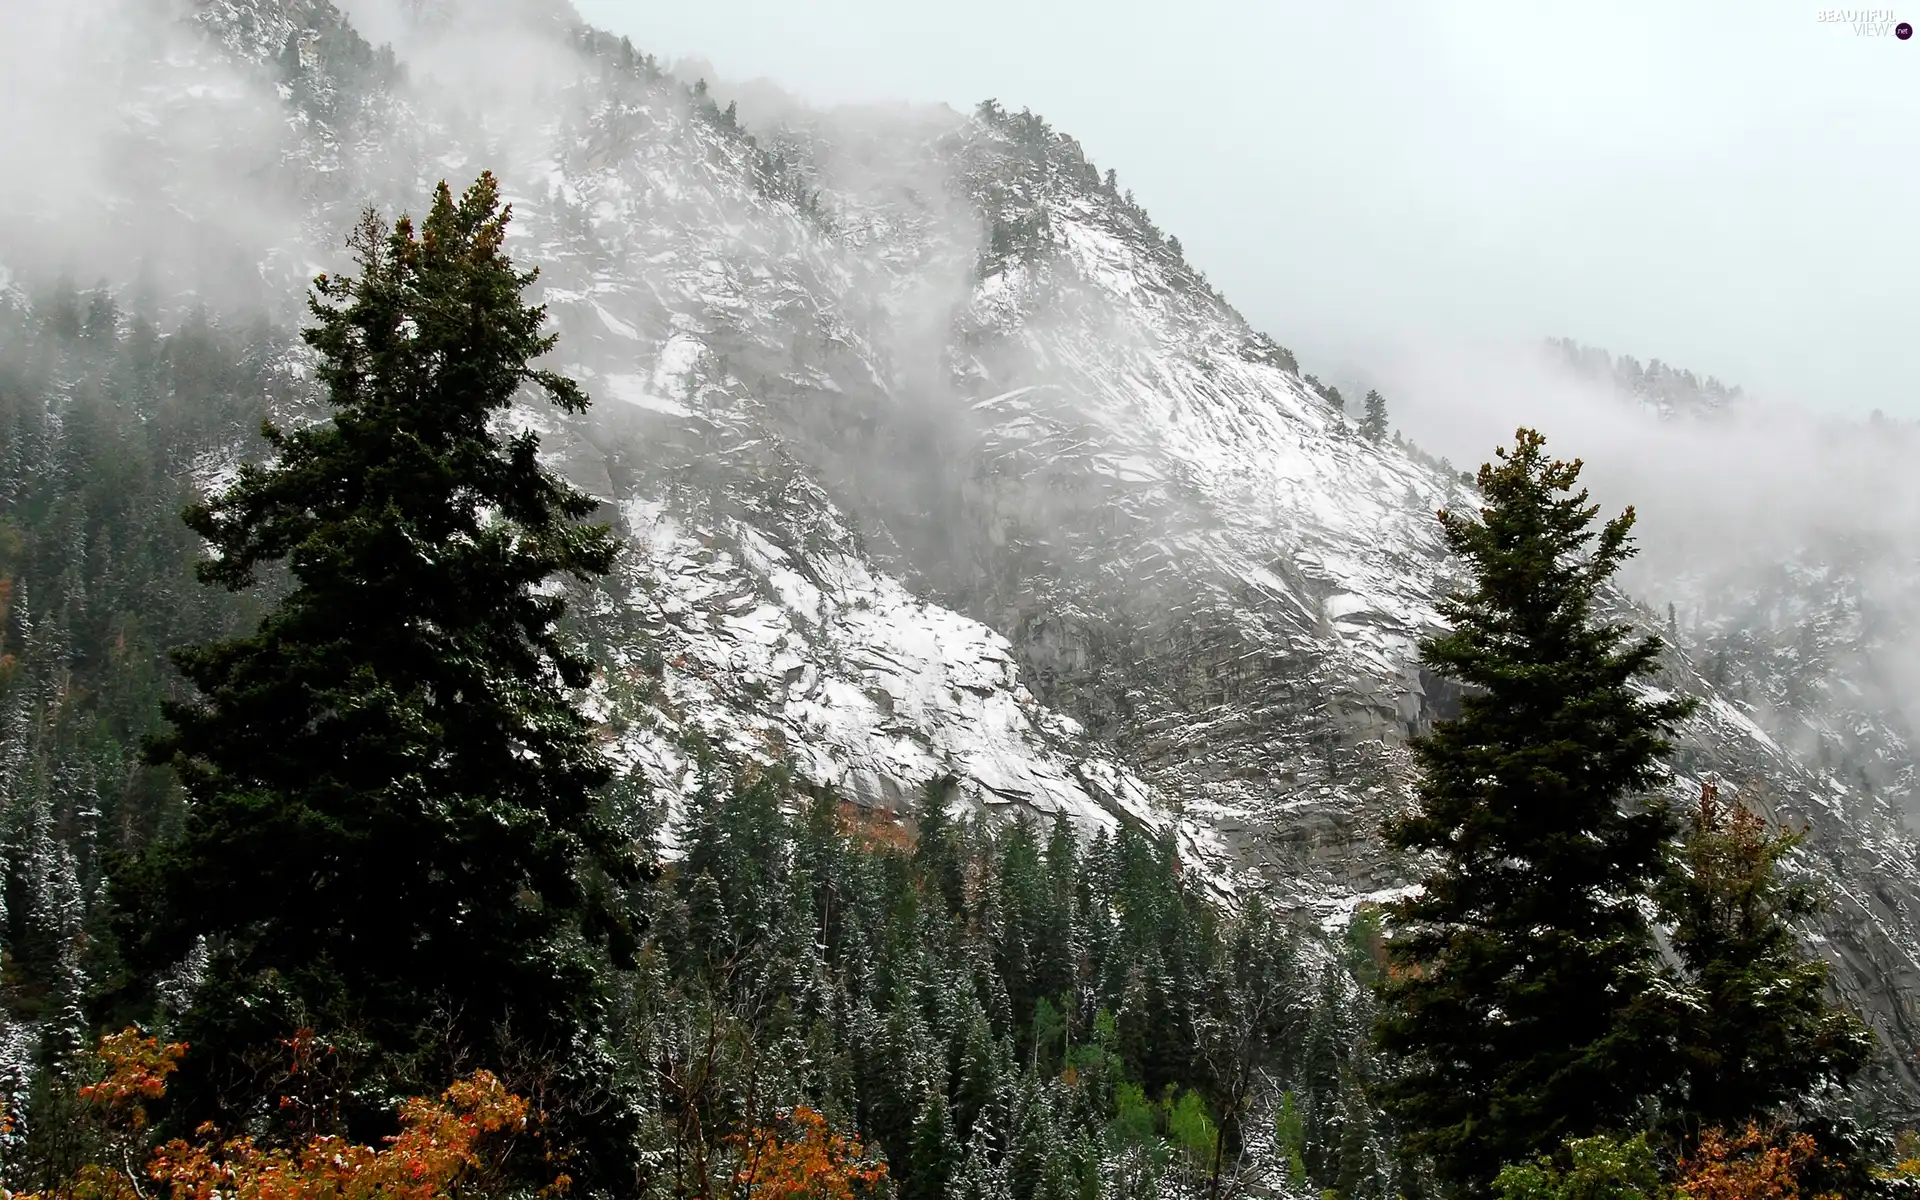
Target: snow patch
pixel 632 389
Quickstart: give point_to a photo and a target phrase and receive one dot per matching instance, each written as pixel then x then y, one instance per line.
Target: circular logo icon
pixel 1903 31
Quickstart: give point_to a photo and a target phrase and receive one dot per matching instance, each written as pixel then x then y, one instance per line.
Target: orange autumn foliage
pixel 110 1116
pixel 805 1161
pixel 448 1148
pixel 445 1148
pixel 1748 1166
pixel 136 1070
pixel 874 828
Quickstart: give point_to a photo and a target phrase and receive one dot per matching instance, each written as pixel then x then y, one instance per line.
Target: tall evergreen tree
pixel 1763 1032
pixel 1373 424
pixel 936 1155
pixel 978 1080
pixel 1022 890
pixel 1358 1171
pixel 978 1178
pixel 1525 993
pixel 936 847
pixel 1319 1077
pixel 1036 1142
pixel 392 831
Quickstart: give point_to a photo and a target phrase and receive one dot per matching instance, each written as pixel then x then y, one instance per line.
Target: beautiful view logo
pixel 1867 22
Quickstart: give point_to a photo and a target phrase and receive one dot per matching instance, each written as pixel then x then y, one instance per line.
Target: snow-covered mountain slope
pixel 1818 646
pixel 934 457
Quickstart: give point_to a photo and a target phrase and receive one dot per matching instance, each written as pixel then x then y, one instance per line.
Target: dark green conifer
pixel 1058 960
pixel 1763 1032
pixel 978 1178
pixel 1022 892
pixel 1359 1171
pixel 392 831
pixel 1290 1140
pixel 936 1155
pixel 1373 424
pixel 1036 1142
pixel 1525 995
pixel 892 1057
pixel 977 1082
pixel 60 312
pixel 1320 1075
pixel 936 847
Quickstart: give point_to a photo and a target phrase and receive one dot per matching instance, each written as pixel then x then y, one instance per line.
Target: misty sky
pixel 1733 187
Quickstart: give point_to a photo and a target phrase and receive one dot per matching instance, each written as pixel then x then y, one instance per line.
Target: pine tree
pixel 393 796
pixel 1019 935
pixel 978 1080
pixel 1373 425
pixel 1322 1059
pixel 1035 1143
pixel 978 1178
pixel 1251 1006
pixel 1058 957
pixel 892 1071
pixel 61 310
pixel 1763 1032
pixel 936 1154
pixel 1524 992
pixel 936 848
pixel 1360 1169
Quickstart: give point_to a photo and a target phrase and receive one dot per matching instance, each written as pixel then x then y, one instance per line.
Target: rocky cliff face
pixel 934 456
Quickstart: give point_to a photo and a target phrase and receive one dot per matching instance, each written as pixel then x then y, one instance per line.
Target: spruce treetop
pixel 1555 726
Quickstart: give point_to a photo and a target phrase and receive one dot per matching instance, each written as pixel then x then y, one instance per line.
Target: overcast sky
pixel 1734 188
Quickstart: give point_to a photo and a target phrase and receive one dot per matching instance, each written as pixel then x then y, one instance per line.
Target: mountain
pixel 932 454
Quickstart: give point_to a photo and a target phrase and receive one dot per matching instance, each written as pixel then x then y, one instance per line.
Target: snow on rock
pixel 839 669
pixel 632 389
